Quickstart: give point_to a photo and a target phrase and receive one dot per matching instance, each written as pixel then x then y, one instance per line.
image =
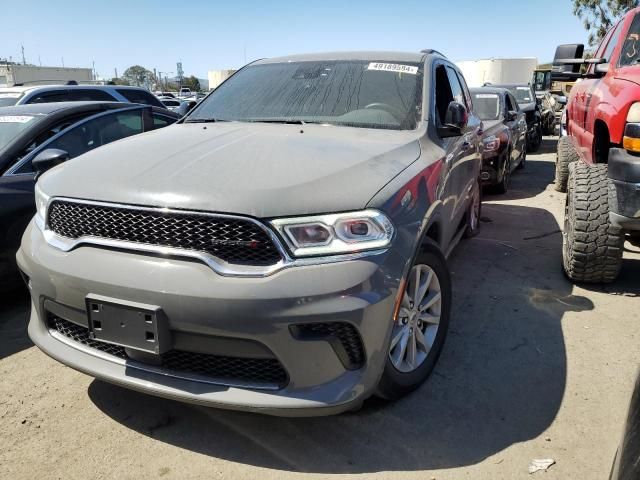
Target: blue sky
pixel 208 34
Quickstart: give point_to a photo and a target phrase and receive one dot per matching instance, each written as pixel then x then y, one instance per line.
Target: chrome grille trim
pixel 217 265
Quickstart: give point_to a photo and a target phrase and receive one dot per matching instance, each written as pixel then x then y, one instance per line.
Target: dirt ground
pixel 533 368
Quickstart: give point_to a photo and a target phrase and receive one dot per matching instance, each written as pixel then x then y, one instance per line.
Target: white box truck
pixel 498 70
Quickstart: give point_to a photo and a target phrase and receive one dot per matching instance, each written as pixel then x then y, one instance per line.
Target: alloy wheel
pixel 418 320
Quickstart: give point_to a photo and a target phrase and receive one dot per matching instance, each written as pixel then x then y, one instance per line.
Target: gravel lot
pixel 533 368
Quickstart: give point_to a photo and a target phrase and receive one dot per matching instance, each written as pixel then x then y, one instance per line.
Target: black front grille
pixel 234 240
pixel 252 370
pixel 80 334
pixel 343 337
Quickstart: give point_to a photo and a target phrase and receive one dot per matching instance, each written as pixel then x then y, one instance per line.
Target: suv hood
pixel 262 170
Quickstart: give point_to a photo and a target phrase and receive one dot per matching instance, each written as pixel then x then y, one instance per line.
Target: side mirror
pixel 47 159
pixel 561 99
pixel 602 68
pixel 455 120
pixel 563 69
pixel 512 116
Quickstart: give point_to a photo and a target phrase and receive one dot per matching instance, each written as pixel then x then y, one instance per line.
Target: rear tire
pixel 395 383
pixel 523 158
pixel 503 186
pixel 567 154
pixel 592 247
pixel 537 139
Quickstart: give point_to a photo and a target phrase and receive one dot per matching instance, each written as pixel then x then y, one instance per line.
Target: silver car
pixel 282 249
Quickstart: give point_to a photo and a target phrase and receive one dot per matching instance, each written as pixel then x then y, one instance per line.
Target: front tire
pixel 591 247
pixel 421 327
pixel 503 186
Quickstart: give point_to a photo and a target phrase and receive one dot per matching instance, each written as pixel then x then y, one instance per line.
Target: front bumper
pixel 212 314
pixel 624 189
pixel 492 166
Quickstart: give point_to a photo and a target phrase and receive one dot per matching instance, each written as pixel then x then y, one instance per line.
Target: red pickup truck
pixel 598 162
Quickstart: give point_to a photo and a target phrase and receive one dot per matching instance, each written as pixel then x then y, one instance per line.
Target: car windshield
pixel 351 93
pixel 9 98
pixel 522 94
pixel 12 125
pixel 487 105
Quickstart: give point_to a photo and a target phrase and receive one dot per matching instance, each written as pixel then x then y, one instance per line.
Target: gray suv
pixel 281 249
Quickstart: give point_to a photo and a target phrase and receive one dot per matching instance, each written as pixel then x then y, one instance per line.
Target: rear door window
pixel 161 121
pixel 86 94
pixel 50 97
pixel 139 96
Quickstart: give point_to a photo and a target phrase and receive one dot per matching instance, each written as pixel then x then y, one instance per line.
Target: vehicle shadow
pixel 628 283
pixel 500 380
pixel 14 317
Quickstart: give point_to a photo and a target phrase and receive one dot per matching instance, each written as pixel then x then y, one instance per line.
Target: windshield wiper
pixel 204 120
pixel 288 122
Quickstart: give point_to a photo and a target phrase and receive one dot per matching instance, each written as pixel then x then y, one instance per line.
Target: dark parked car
pixel 504 140
pixel 530 105
pixel 66 129
pixel 282 249
pixel 626 465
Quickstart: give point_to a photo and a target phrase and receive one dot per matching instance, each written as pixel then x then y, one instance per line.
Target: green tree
pixel 138 76
pixel 599 16
pixel 193 83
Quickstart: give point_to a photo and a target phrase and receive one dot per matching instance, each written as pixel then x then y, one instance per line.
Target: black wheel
pixel 536 139
pixel 474 212
pixel 523 157
pixel 591 246
pixel 503 186
pixel 420 330
pixel 566 154
pixel 550 126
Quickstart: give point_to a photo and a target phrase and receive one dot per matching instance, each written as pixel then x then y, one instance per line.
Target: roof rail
pixel 431 51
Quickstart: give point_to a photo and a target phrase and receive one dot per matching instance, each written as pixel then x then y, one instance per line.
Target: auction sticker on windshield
pixel 15 118
pixel 10 95
pixel 486 95
pixel 393 67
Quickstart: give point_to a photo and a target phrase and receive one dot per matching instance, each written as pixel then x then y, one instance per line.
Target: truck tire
pixel 566 154
pixel 591 246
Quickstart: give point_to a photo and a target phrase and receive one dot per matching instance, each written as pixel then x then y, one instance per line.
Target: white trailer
pixel 498 70
pixel 11 74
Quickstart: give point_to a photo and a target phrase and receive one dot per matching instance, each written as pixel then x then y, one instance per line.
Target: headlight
pixel 336 233
pixel 491 144
pixel 41 206
pixel 631 138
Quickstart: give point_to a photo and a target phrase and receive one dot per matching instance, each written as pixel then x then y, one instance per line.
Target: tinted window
pixel 514 104
pixel 615 36
pixel 456 88
pixel 487 105
pixel 9 98
pixel 523 94
pixel 12 125
pixel 135 95
pixel 351 92
pixel 95 133
pixel 50 97
pixel 631 48
pixel 444 95
pixel 509 103
pixel 160 121
pixel 81 94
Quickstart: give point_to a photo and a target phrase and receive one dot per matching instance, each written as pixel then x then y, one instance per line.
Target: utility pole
pixel 62 62
pixel 39 61
pixel 93 68
pixel 24 62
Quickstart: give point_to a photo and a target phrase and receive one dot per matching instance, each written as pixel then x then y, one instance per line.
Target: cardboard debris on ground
pixel 538 464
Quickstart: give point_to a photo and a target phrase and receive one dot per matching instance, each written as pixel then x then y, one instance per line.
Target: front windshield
pixel 486 105
pixel 12 125
pixel 352 93
pixel 9 98
pixel 522 94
